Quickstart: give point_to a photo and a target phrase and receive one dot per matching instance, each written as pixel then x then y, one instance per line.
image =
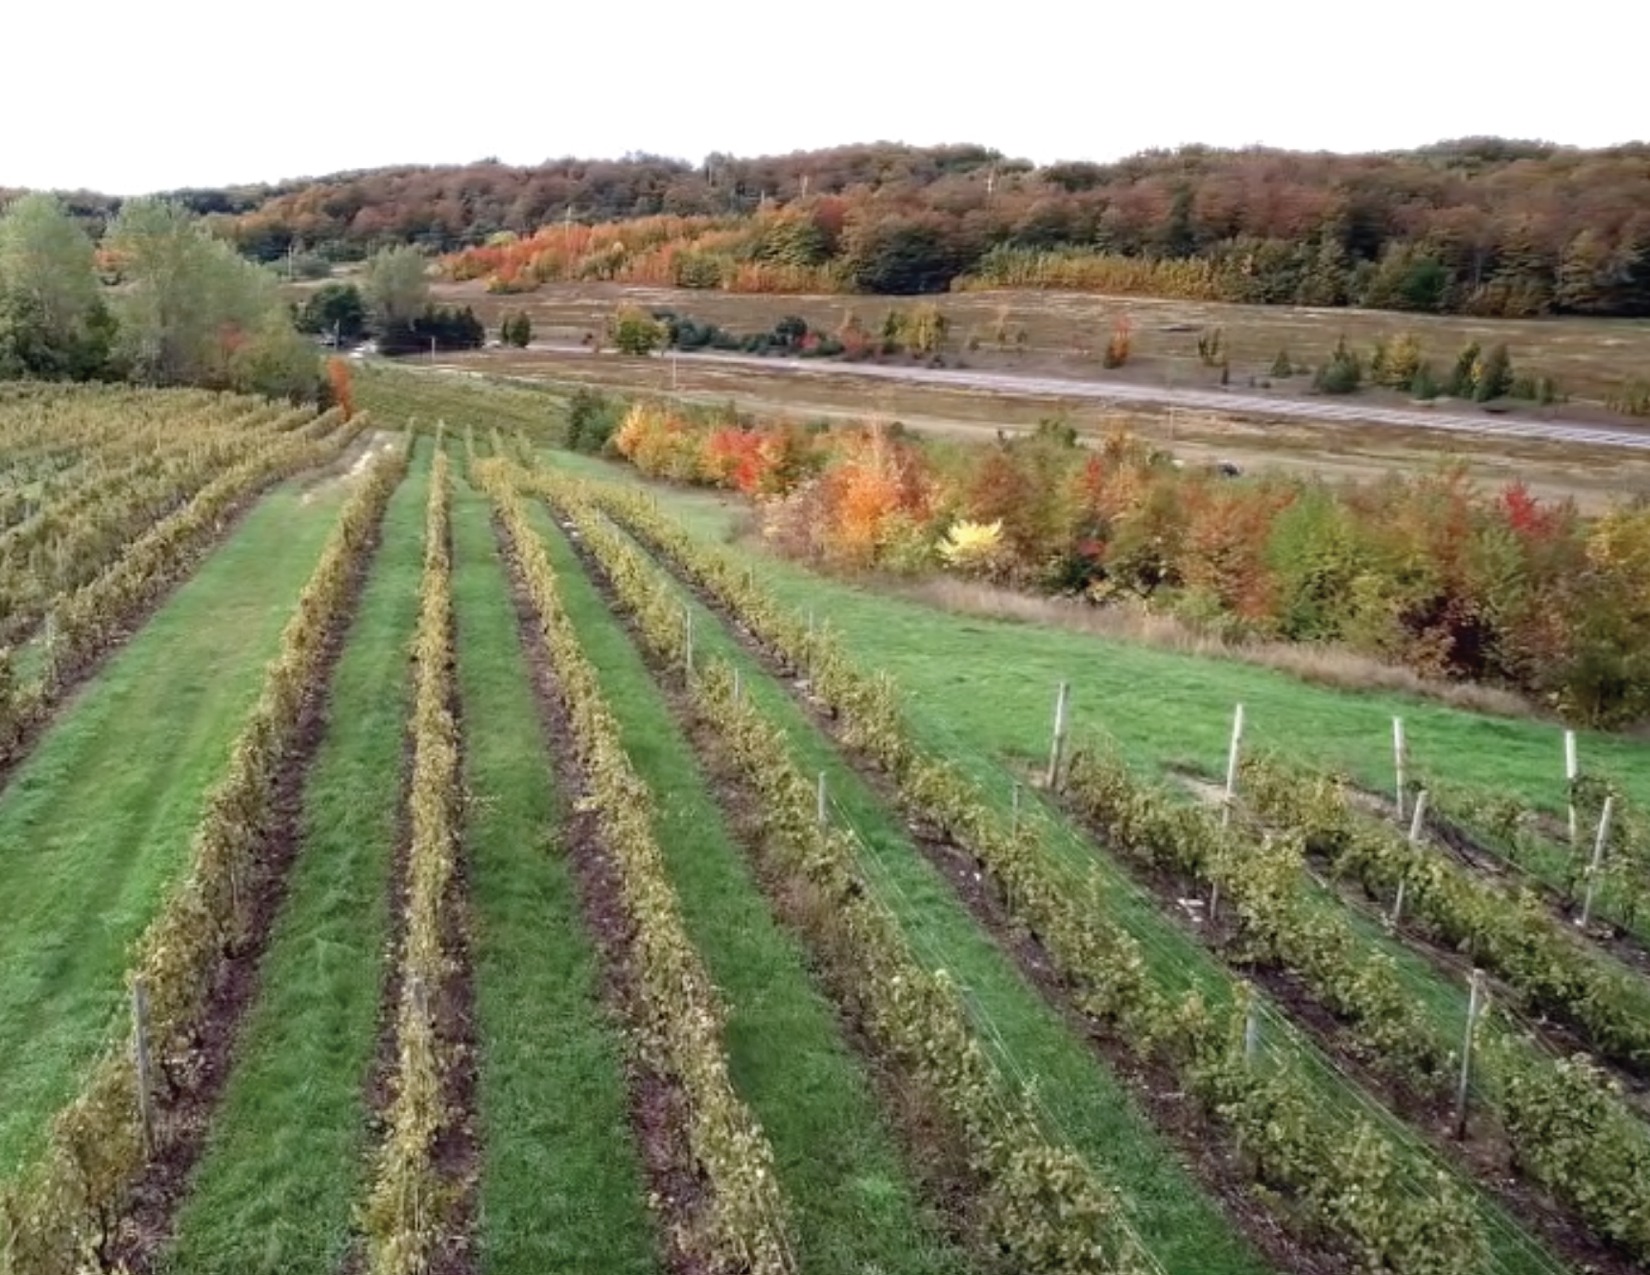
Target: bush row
pixel 85 623
pixel 407 1207
pixel 1263 884
pixel 1511 934
pixel 69 540
pixel 740 1227
pixel 62 1208
pixel 1331 1172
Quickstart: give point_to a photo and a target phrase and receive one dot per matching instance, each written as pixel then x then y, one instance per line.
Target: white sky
pixel 126 96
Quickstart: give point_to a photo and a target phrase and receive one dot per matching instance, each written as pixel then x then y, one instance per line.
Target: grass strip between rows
pixel 65 1205
pixel 561 1179
pixel 742 1224
pixel 283 1168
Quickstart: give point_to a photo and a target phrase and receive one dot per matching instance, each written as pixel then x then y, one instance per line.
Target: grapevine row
pixel 49 424
pixel 93 618
pixel 742 1227
pixel 62 1208
pixel 1343 1174
pixel 1512 831
pixel 1263 886
pixel 407 1210
pixel 1044 1205
pixel 69 541
pixel 1512 935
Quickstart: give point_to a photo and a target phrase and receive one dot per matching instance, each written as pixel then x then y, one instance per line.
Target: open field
pixel 998 677
pixel 1066 332
pixel 521 871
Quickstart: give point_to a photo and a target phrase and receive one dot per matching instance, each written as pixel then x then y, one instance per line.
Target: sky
pixel 129 98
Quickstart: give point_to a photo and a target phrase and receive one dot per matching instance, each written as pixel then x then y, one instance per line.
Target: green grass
pixel 855 1208
pixel 275 1187
pixel 1176 961
pixel 96 823
pixel 991 683
pixel 561 1185
pixel 1083 1102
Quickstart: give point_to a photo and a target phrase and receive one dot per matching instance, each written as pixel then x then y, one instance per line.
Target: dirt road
pixel 1320 410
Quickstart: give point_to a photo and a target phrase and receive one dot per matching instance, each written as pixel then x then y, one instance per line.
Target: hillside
pixel 1479 225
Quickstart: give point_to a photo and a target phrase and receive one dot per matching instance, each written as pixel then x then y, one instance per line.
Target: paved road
pixel 1313 409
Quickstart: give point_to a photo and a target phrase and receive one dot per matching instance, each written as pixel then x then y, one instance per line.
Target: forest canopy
pixel 1476 225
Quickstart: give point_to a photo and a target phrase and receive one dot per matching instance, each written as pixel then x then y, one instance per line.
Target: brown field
pixel 1066 332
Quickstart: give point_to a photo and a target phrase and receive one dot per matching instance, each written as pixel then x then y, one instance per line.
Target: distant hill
pixel 1485 225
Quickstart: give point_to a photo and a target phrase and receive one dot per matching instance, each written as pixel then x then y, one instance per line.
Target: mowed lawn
pixel 985 688
pixel 96 823
pixel 286 1160
pixel 854 1205
pixel 561 1184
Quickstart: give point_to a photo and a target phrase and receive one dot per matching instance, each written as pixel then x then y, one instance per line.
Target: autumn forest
pixel 1478 226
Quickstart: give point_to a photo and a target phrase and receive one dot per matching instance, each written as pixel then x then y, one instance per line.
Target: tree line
pixel 159 302
pixel 392 305
pixel 162 300
pixel 1428 232
pixel 1479 225
pixel 1425 571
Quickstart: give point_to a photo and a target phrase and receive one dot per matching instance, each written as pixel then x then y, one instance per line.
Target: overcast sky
pixel 128 97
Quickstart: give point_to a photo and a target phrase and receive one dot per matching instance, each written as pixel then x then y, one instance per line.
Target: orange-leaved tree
pixel 342 382
pixel 877 494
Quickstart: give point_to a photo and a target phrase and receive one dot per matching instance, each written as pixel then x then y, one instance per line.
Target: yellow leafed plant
pixel 972 546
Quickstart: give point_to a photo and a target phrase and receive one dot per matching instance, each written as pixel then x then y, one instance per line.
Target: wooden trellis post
pixel 1417 825
pixel 1057 747
pixel 1600 844
pixel 1398 762
pixel 1475 1009
pixel 141 1060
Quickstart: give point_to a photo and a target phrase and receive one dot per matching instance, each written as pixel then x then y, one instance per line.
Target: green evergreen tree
pixel 1493 376
pixel 1342 374
pixel 1463 378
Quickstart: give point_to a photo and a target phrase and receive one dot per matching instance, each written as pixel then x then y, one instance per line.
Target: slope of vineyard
pixel 95 825
pixel 277 1181
pixel 469 865
pixel 1131 972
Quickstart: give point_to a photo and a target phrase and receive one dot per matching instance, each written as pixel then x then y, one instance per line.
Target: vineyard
pixel 430 850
